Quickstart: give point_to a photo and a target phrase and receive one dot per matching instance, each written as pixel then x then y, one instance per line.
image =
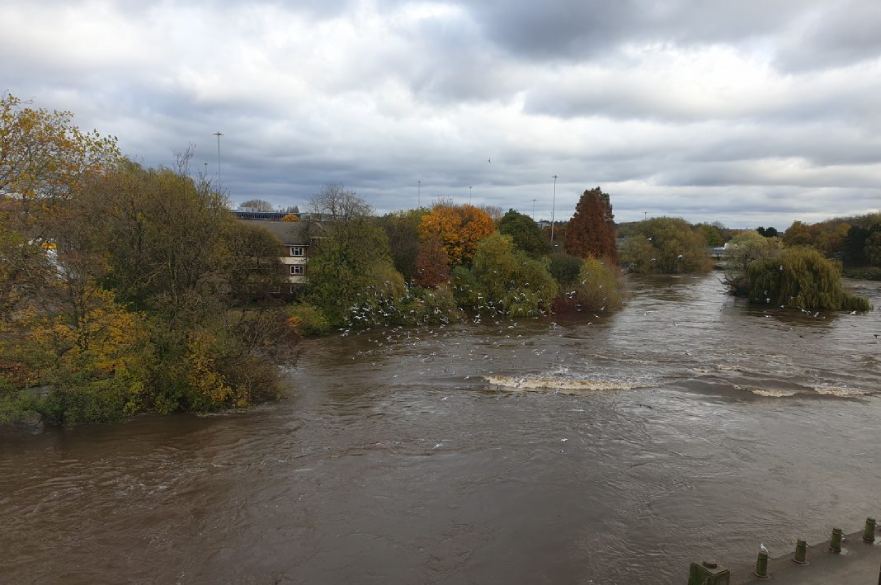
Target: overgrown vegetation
pixel 123 288
pixel 800 278
pixel 665 245
pixel 854 241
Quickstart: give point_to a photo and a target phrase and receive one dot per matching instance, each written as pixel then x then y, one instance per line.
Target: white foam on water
pixel 840 391
pixel 568 384
pixel 769 392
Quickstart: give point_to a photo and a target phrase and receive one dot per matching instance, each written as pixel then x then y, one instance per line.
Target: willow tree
pixel 591 231
pixel 800 278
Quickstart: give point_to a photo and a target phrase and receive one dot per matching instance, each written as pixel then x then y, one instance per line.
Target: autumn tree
pixel 525 233
pixel 432 264
pixel 591 231
pixel 44 159
pixel 458 227
pixel 798 234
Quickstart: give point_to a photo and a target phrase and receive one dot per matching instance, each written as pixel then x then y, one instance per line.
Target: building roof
pixel 289 232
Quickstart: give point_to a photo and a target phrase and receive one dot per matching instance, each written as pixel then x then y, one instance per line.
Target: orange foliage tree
pixel 458 227
pixel 591 231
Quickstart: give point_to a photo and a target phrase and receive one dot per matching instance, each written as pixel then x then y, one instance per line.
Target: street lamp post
pixel 469 194
pixel 419 194
pixel 218 134
pixel 553 210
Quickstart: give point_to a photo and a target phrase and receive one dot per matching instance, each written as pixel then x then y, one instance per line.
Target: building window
pixel 298 251
pixel 298 270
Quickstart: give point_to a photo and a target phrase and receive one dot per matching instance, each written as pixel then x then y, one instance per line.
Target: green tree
pixel 525 233
pixel 162 236
pixel 743 249
pixel 504 280
pixel 250 262
pixel 714 234
pixel 872 249
pixel 666 245
pixel 402 230
pixel 565 269
pixel 352 268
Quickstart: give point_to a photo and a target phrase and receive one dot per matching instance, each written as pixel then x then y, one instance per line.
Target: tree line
pixel 123 289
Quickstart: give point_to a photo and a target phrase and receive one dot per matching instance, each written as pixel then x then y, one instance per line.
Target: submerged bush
pixel 308 320
pixel 426 306
pixel 565 268
pixel 504 281
pixel 801 278
pixel 745 248
pixel 666 245
pixel 597 288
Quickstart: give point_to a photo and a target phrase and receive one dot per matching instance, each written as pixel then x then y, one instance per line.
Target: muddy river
pixel 598 449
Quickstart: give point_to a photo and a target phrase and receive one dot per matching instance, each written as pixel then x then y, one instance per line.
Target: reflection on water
pixel 592 450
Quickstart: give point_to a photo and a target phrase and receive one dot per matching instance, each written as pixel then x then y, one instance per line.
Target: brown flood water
pixel 601 450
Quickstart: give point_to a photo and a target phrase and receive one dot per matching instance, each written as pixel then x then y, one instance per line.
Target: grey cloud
pixel 842 33
pixel 576 29
pixel 435 97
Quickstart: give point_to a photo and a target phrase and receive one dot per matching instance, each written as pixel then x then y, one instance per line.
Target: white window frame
pixel 300 249
pixel 298 270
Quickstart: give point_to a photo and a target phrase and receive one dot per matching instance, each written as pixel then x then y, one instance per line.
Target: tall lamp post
pixel 469 194
pixel 419 194
pixel 553 210
pixel 218 134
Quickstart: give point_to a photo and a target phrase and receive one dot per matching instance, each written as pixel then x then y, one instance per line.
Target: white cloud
pixel 670 113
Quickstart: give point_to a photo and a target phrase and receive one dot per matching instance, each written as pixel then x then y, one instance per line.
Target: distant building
pixel 297 239
pixel 254 215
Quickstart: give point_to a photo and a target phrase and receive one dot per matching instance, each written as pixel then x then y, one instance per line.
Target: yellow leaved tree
pixel 459 228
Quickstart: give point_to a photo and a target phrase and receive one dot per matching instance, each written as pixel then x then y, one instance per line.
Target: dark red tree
pixel 432 263
pixel 591 231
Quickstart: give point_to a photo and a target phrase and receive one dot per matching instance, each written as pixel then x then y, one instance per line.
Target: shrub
pixel 743 249
pixel 308 320
pixel 666 245
pixel 505 281
pixel 597 288
pixel 801 278
pixel 424 306
pixel 565 268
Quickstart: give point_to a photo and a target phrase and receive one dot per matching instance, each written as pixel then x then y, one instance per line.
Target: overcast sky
pixel 749 112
